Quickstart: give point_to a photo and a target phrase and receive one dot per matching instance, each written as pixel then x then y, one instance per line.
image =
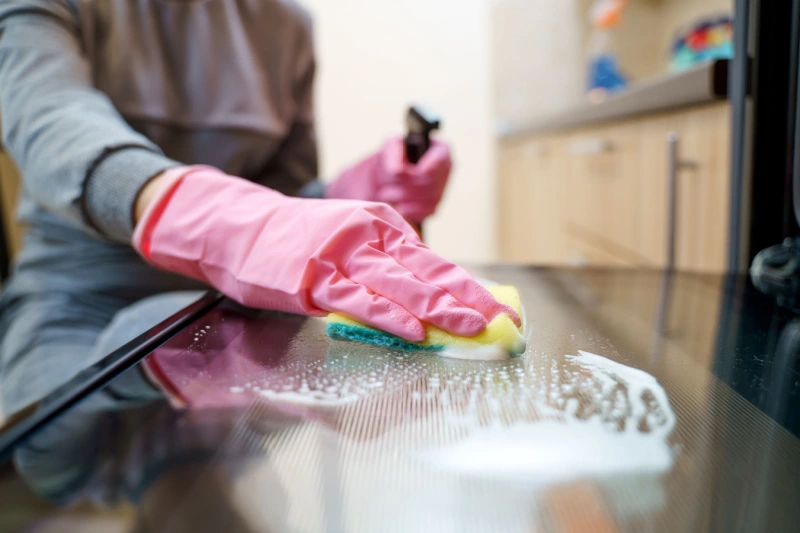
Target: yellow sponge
pixel 501 337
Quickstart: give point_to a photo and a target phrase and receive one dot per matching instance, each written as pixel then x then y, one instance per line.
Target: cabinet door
pixel 509 215
pixel 703 190
pixel 703 185
pixel 530 202
pixel 603 188
pixel 629 308
pixel 599 196
pixel 581 252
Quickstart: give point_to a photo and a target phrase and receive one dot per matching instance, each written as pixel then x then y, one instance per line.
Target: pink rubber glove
pixel 387 176
pixel 269 251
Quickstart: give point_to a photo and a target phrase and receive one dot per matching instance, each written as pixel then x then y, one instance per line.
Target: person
pixel 168 146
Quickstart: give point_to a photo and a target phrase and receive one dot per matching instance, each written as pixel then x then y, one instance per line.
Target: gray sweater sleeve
pixel 77 155
pixel 296 161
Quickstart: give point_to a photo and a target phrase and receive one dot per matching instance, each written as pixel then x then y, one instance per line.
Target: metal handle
pixel 674 165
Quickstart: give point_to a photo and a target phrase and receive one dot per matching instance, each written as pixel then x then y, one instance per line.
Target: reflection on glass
pixel 257 421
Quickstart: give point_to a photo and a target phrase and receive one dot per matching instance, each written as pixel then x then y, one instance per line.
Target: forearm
pixel 147 194
pixel 78 157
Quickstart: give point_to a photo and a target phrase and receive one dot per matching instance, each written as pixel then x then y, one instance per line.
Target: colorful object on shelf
pixel 500 333
pixel 606 14
pixel 604 73
pixel 705 41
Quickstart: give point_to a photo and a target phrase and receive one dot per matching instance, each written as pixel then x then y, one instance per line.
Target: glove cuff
pixel 142 233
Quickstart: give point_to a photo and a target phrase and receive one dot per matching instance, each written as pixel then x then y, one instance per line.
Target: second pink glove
pixel 387 176
pixel 269 251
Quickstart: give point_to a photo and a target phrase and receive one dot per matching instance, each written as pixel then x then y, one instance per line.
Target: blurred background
pixel 495 69
pixel 557 112
pixel 639 134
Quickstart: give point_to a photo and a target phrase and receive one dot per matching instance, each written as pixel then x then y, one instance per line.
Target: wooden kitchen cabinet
pixel 580 251
pixel 604 178
pixel 629 309
pixel 599 195
pixel 702 179
pixel 704 189
pixel 531 201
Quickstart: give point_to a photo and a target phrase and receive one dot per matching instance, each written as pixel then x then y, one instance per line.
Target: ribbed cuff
pixel 114 184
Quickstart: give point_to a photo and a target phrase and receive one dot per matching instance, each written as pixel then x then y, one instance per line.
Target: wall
pixel 537 58
pixel 539 49
pixel 377 56
pixel 482 64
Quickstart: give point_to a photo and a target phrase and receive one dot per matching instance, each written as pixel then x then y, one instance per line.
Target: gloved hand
pixel 306 256
pixel 387 176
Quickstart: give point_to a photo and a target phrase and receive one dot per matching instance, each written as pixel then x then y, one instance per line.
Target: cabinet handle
pixel 674 166
pixel 589 146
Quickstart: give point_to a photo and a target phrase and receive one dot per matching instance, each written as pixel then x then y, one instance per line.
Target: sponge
pixel 500 335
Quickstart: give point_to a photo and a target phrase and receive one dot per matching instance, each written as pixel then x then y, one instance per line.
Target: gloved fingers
pixel 416 211
pixel 431 268
pixel 387 213
pixel 436 160
pixel 345 296
pixel 429 303
pixel 355 183
pixel 395 193
pixel 393 156
pixel 413 202
pixel 396 228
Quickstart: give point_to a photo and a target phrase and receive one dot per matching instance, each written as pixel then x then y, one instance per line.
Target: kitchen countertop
pixel 702 84
pixel 645 401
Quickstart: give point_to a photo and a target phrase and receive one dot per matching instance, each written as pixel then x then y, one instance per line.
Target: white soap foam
pixel 476 353
pixel 309 398
pixel 640 384
pixel 565 447
pixel 549 451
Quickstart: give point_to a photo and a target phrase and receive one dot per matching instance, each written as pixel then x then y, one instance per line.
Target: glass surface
pixel 644 402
